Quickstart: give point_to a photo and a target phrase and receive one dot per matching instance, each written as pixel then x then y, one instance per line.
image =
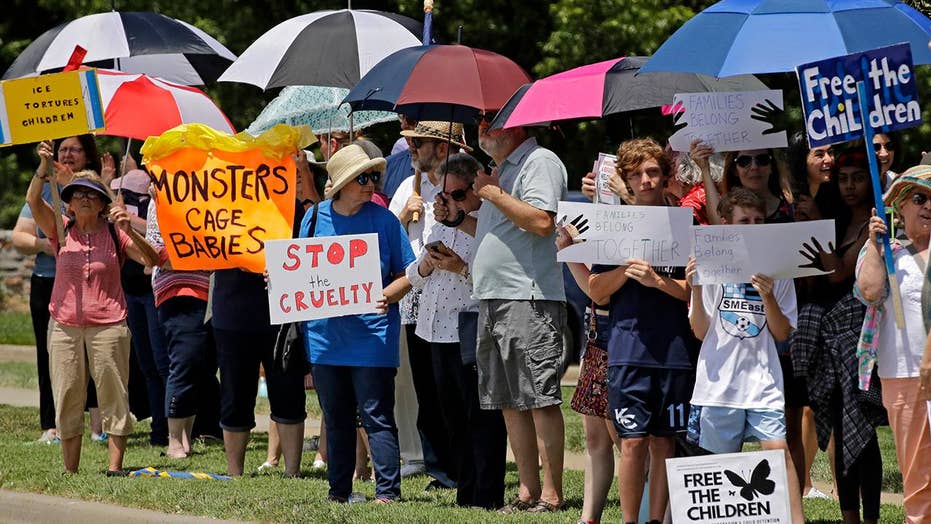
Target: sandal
pixel 542 506
pixel 517 505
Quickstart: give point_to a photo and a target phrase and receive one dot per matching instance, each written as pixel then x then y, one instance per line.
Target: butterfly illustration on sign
pixel 759 483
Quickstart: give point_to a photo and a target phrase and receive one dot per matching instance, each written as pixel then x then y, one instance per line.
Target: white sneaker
pixel 318 465
pixel 815 493
pixel 266 467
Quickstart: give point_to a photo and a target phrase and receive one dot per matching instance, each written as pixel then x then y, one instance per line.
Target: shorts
pixel 649 401
pixel 796 387
pixel 724 430
pixel 520 345
pixel 591 393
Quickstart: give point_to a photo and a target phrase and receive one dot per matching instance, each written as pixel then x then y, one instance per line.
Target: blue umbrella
pixel 735 37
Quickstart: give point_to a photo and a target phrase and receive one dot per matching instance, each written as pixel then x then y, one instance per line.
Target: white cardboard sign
pixel 729 121
pixel 322 277
pixel 732 488
pixel 613 234
pixel 728 254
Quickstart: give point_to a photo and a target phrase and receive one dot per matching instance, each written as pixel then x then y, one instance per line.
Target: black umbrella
pixel 134 42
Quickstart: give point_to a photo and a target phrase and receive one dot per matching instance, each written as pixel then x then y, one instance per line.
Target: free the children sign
pixel 732 488
pixel 323 277
pixel 830 100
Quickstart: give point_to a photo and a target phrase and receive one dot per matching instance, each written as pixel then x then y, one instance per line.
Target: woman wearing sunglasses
pixel 354 358
pixel 897 352
pixel 884 146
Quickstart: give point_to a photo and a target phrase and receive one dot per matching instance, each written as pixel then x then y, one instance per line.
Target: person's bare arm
pixel 26 240
pixel 138 248
pixel 522 214
pixel 602 285
pixel 698 317
pixel 700 154
pixel 872 276
pixel 642 272
pixel 777 322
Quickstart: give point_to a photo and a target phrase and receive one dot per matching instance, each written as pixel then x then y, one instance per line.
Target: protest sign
pixel 613 234
pixel 50 106
pixel 731 488
pixel 829 94
pixel 733 253
pixel 729 121
pixel 604 169
pixel 221 197
pixel 323 277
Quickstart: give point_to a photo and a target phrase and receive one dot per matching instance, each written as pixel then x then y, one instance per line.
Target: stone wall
pixel 15 271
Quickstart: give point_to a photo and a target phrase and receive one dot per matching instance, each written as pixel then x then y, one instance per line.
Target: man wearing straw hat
pixel 522 310
pixel 430 143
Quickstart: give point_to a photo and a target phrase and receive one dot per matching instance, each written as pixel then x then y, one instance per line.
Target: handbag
pixel 468 336
pixel 288 355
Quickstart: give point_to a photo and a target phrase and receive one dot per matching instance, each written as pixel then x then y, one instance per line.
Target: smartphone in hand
pixel 437 247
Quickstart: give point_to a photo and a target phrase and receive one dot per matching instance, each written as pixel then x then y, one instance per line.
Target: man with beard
pixel 522 310
pixel 430 144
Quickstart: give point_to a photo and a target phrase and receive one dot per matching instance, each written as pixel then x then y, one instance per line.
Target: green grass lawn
pixel 37 468
pixel 16 328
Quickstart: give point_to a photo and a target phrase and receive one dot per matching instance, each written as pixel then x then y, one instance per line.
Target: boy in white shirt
pixel 739 394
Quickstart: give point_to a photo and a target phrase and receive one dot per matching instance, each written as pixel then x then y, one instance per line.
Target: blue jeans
pixel 151 352
pixel 342 390
pixel 191 354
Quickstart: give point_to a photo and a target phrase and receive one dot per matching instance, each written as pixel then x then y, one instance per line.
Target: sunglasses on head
pixel 365 177
pixel 459 194
pixel 878 146
pixel 919 199
pixel 484 117
pixel 762 160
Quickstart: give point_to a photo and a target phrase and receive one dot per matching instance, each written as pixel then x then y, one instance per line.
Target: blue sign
pixel 829 94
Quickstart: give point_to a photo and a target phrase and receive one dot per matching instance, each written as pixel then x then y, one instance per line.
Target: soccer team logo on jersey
pixel 741 310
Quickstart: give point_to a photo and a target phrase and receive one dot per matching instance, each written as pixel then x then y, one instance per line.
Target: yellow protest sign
pixel 220 197
pixel 50 106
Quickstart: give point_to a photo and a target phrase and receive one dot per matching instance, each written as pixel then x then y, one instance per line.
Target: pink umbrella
pixel 606 88
pixel 139 106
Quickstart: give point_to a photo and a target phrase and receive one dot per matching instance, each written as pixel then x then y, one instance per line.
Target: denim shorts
pixel 724 430
pixel 520 345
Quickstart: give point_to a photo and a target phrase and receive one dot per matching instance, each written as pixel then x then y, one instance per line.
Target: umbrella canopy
pixel 321 108
pixel 736 37
pixel 137 42
pixel 606 88
pixel 324 48
pixel 439 82
pixel 139 106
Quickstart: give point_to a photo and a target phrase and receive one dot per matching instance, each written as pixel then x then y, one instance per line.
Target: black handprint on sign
pixel 816 255
pixel 574 228
pixel 678 118
pixel 768 113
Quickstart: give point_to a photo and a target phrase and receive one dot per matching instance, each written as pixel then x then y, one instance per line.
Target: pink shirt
pixel 87 290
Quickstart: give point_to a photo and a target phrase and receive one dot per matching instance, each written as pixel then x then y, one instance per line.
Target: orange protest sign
pixel 220 197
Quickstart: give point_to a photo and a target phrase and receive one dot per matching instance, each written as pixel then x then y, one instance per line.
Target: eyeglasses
pixel 919 199
pixel 888 146
pixel 88 194
pixel 761 160
pixel 459 194
pixel 485 117
pixel 365 177
pixel 73 150
pixel 417 141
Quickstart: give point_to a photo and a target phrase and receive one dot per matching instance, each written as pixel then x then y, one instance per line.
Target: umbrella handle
pixel 415 217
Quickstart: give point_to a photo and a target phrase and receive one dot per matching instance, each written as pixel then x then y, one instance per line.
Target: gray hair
pixel 462 166
pixel 687 170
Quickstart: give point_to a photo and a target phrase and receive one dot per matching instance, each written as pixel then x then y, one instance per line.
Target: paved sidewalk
pixel 35 508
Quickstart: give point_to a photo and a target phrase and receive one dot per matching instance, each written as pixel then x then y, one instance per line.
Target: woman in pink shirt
pixel 88 334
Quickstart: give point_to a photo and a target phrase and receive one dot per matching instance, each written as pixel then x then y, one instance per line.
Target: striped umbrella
pixel 323 48
pixel 135 42
pixel 140 106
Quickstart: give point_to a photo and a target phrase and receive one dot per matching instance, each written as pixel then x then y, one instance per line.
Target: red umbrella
pixel 139 106
pixel 438 82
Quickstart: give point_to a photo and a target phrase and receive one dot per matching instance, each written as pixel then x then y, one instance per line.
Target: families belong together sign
pixel 830 101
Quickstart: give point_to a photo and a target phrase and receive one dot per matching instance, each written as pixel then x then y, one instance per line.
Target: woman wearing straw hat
pixel 354 358
pixel 897 353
